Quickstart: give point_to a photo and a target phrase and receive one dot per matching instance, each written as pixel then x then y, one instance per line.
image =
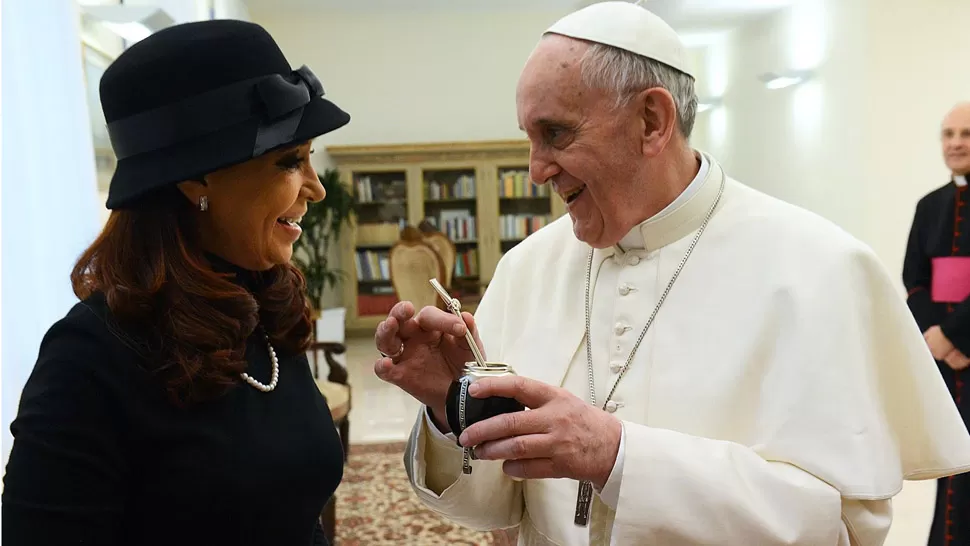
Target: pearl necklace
pixel 274 378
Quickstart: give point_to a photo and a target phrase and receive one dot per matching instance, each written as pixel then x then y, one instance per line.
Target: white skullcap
pixel 629 27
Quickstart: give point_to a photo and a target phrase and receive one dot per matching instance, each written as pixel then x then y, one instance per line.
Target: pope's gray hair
pixel 626 74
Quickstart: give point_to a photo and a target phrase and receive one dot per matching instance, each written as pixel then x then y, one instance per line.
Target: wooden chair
pixel 446 249
pixel 413 262
pixel 335 388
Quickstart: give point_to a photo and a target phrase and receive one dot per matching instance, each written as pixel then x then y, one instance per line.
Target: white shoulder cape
pixel 828 370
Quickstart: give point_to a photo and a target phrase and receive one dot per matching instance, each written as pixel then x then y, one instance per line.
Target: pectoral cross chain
pixel 584 499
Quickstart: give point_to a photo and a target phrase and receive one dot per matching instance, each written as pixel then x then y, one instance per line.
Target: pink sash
pixel 951 279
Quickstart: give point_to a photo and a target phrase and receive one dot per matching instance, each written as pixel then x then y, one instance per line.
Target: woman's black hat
pixel 197 97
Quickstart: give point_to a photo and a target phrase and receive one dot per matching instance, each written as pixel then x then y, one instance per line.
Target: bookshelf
pixel 382 201
pixel 477 193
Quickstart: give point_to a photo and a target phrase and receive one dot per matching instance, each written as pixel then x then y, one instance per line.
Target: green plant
pixel 322 225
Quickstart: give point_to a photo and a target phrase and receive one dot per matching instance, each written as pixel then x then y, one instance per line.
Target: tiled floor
pixel 382 413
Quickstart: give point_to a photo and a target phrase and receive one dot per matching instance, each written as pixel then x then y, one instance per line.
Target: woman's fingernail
pixel 473 389
pixel 459 329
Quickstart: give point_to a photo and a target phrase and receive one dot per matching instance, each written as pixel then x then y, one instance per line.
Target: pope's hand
pixel 426 352
pixel 938 343
pixel 560 436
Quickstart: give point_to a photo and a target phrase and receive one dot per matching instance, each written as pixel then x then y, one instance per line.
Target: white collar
pixel 960 180
pixel 685 214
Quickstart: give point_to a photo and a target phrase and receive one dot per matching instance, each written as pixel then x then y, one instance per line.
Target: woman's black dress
pixel 100 456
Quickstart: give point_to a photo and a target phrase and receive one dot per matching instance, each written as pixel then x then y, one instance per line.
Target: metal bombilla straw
pixel 455 306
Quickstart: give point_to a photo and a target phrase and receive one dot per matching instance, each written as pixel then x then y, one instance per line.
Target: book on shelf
pixel 513 227
pixel 462 188
pixel 457 225
pixel 383 189
pixel 517 184
pixel 466 264
pixel 373 265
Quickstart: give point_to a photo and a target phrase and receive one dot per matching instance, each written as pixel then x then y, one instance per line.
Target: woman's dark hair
pixel 191 321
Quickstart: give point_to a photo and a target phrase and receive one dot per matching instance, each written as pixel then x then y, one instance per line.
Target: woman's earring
pixel 204 203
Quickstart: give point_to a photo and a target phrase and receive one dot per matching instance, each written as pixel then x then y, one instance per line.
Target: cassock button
pixel 624 290
pixel 612 406
pixel 632 259
pixel 615 367
pixel 619 328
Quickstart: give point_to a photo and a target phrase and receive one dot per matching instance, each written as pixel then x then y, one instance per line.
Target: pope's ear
pixel 658 113
pixel 193 190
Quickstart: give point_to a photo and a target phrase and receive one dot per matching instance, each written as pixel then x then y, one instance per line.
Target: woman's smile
pixel 290 227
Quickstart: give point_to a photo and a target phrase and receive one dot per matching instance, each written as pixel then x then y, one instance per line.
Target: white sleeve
pixel 485 500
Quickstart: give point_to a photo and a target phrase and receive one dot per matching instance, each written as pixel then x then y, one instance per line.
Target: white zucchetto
pixel 629 27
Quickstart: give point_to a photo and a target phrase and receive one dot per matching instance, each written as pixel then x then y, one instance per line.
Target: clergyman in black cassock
pixel 936 273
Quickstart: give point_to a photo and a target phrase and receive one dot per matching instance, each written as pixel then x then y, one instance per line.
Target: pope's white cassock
pixel 781 396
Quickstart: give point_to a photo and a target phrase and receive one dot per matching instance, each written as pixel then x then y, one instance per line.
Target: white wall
pixel 409 77
pixel 794 143
pixel 184 11
pixel 859 143
pixel 180 10
pixel 231 9
pixel 414 77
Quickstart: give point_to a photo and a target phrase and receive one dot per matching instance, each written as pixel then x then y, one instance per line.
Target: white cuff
pixel 610 495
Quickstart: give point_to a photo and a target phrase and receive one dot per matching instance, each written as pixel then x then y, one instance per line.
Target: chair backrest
pixel 446 249
pixel 413 264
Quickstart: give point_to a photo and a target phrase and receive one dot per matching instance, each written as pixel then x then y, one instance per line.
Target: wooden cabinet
pixel 477 193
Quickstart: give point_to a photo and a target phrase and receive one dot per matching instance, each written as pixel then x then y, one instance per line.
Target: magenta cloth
pixel 951 279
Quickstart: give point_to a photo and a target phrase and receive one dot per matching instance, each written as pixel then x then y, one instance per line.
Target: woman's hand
pixel 426 352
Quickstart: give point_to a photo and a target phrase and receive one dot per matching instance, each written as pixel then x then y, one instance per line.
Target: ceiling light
pixel 706 104
pixel 133 23
pixel 781 81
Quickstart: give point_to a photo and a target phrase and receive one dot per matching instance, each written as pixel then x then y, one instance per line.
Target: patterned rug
pixel 376 506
